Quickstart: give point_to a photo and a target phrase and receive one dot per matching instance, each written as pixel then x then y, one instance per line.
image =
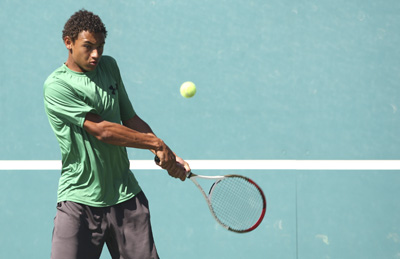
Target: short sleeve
pixel 63 103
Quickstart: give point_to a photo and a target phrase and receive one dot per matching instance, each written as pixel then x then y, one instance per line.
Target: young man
pixel 99 200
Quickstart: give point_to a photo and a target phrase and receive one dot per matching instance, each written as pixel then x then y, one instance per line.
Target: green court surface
pixel 279 80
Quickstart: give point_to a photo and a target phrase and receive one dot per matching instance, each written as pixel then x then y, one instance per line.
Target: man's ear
pixel 68 43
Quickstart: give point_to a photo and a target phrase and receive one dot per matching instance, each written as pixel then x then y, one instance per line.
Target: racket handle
pixel 157 160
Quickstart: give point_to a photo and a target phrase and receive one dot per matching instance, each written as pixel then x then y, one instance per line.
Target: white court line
pixel 227 164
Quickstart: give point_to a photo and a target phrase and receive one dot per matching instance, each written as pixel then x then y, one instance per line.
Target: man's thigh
pixel 78 232
pixel 130 226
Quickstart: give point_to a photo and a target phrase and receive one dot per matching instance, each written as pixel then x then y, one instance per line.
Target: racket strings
pixel 237 203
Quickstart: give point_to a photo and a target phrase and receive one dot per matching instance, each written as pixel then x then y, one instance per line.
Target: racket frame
pixel 193 177
pixel 217 178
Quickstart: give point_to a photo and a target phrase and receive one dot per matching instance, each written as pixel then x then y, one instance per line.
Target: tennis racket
pixel 236 202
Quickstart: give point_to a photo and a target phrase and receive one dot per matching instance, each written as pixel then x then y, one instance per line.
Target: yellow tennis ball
pixel 188 89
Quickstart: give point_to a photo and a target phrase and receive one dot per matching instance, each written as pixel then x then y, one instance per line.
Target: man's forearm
pixel 120 135
pixel 137 124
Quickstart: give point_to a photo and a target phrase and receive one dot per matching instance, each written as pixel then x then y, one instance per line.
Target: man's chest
pixel 101 93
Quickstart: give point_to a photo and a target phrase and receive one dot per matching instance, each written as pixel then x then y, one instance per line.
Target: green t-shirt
pixel 93 172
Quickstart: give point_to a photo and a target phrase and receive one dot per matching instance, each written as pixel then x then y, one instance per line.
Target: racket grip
pixel 157 160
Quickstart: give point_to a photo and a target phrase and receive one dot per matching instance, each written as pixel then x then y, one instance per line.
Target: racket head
pixel 237 203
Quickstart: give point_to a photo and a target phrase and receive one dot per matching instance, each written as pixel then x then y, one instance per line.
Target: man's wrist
pixel 160 146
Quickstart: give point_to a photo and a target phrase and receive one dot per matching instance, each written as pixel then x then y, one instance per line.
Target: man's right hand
pixel 168 161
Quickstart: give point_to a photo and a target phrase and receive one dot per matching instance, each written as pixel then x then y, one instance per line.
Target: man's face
pixel 85 52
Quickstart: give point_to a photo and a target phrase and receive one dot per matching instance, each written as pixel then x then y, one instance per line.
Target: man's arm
pixel 116 134
pixel 137 124
pixel 120 135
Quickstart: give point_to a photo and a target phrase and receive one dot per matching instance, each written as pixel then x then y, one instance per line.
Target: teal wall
pixel 279 79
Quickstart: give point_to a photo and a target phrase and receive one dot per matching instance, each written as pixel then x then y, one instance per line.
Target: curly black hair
pixel 83 20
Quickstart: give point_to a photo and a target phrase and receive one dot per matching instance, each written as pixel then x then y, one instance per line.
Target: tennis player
pixel 99 200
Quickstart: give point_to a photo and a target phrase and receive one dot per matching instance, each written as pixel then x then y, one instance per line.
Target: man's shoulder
pixel 107 58
pixel 109 62
pixel 55 77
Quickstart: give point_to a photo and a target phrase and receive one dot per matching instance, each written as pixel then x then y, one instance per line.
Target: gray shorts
pixel 80 231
